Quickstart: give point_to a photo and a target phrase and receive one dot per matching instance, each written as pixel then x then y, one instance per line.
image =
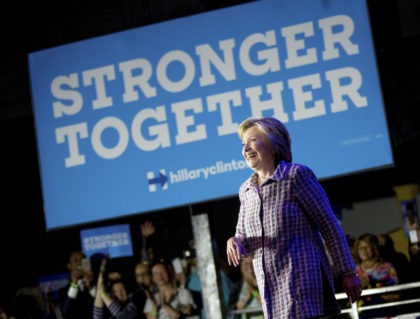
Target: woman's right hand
pixel 235 250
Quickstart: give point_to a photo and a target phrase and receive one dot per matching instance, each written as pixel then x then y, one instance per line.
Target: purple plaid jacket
pixel 283 226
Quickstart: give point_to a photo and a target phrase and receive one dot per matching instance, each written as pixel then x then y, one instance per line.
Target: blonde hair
pixel 276 132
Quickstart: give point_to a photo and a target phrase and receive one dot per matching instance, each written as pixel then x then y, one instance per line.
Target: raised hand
pixel 147 229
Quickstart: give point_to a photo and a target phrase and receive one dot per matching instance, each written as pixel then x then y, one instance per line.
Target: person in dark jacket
pixel 76 299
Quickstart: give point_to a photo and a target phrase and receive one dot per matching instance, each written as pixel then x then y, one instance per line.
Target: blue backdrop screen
pixel 146 119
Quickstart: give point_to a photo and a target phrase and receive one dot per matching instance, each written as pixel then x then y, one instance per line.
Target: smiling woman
pixel 169 301
pixel 284 220
pixel 374 272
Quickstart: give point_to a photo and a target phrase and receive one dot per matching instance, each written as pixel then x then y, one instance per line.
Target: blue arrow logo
pixel 161 179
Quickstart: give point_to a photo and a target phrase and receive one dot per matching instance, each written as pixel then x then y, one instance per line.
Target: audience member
pixel 145 288
pixel 112 302
pixel 76 301
pixel 28 303
pixel 414 247
pixel 169 301
pixel 374 272
pixel 399 260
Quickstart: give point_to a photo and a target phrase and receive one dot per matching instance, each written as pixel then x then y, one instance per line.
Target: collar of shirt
pixel 279 174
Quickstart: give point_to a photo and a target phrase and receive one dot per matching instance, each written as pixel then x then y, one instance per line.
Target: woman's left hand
pixel 352 286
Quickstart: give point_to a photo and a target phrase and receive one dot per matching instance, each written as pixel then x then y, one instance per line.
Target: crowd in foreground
pixel 162 291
